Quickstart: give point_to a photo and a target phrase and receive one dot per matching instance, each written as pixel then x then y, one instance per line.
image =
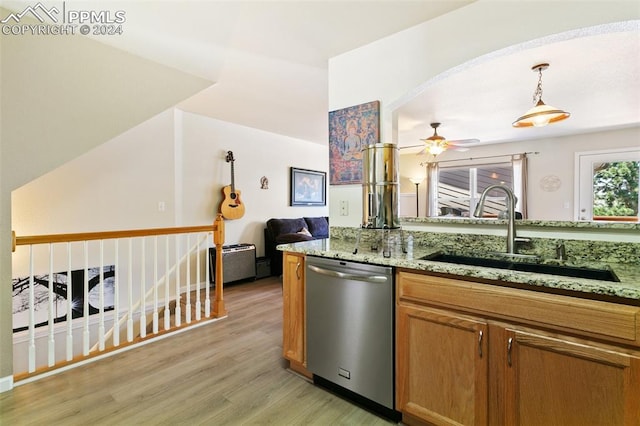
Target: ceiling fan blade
pixel 412 146
pixel 462 142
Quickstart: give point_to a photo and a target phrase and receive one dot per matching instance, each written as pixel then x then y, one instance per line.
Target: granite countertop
pixel 523 222
pixel 626 291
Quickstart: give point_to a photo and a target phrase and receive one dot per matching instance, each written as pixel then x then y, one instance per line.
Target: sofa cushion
pixel 318 226
pixel 292 237
pixel 285 226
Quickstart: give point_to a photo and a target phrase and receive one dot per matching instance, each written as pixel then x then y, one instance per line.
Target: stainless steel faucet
pixel 511 207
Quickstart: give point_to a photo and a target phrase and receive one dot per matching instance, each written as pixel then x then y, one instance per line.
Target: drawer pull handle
pixel 509 346
pixel 480 335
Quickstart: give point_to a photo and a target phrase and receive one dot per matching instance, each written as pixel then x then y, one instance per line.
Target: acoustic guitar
pixel 231 207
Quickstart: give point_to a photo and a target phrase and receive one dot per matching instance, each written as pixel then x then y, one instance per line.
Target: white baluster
pixel 69 306
pixel 143 278
pixel 155 285
pixel 178 310
pixel 116 296
pixel 130 294
pixel 85 307
pixel 32 316
pixel 167 313
pixel 188 279
pixel 51 359
pixel 198 304
pixel 101 303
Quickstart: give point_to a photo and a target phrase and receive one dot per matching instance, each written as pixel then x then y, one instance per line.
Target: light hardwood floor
pixel 230 372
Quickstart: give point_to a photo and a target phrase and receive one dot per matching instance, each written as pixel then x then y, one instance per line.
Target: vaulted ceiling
pixel 268 60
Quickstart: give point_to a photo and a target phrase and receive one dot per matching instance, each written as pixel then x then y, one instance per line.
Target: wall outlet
pixel 161 206
pixel 344 208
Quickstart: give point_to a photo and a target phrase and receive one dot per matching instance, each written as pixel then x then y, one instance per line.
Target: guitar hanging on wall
pixel 231 207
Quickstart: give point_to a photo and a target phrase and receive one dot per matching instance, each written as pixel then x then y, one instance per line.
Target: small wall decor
pixel 264 182
pixel 308 187
pixel 350 130
pixel 550 183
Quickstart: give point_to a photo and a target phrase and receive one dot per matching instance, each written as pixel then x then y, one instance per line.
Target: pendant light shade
pixel 541 114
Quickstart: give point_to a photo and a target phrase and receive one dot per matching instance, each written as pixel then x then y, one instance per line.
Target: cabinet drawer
pixel 587 317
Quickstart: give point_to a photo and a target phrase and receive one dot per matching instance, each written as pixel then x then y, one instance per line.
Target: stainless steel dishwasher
pixel 350 330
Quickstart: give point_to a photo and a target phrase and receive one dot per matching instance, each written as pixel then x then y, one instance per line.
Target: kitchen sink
pixel 539 268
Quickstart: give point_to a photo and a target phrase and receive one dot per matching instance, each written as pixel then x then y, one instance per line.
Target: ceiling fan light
pixel 436 148
pixel 541 115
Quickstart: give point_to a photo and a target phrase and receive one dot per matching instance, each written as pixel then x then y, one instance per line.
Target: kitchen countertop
pixel 632 226
pixel 626 291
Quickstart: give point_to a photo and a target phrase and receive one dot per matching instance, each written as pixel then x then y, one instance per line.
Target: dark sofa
pixel 283 231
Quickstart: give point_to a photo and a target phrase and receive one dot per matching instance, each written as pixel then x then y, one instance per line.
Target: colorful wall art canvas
pixel 350 130
pixel 60 282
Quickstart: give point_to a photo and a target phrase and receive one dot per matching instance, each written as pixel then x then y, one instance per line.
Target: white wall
pixel 555 156
pixel 257 153
pixel 389 70
pixel 178 159
pixel 6 355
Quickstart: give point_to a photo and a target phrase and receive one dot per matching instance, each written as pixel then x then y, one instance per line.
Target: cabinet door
pixel 441 367
pixel 550 381
pixel 293 318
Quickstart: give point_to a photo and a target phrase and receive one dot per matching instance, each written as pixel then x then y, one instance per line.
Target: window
pixel 454 190
pixel 607 185
pixel 459 188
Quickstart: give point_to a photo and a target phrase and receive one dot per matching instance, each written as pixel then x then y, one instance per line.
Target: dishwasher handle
pixel 357 277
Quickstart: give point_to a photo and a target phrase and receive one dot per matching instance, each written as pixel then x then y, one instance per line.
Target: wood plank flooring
pixel 230 372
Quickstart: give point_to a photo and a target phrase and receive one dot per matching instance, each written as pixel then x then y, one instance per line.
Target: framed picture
pixel 350 130
pixel 63 287
pixel 308 187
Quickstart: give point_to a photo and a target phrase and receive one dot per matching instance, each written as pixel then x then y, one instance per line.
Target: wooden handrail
pixel 106 235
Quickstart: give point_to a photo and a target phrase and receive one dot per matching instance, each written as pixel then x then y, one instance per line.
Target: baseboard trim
pixel 6 384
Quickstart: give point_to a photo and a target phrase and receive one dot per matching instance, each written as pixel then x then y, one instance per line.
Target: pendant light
pixel 541 114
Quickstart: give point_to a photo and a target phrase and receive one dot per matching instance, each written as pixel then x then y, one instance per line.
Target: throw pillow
pixel 318 226
pixel 305 231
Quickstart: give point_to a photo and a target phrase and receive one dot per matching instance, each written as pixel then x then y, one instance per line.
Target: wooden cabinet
pixel 551 380
pixel 441 366
pixel 293 312
pixel 474 354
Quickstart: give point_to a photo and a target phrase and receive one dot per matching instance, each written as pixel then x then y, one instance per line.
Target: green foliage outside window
pixel 615 189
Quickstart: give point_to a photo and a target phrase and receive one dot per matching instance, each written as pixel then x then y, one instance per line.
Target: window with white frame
pixel 607 184
pixel 454 190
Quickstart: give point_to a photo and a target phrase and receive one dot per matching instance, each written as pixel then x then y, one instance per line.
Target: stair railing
pixel 72 291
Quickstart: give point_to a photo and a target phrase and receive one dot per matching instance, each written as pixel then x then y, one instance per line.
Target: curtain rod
pixel 481 158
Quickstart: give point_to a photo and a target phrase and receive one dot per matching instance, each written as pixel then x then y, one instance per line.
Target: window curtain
pixel 520 184
pixel 432 189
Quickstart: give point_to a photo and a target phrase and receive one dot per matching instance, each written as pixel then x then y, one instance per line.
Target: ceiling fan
pixel 437 144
